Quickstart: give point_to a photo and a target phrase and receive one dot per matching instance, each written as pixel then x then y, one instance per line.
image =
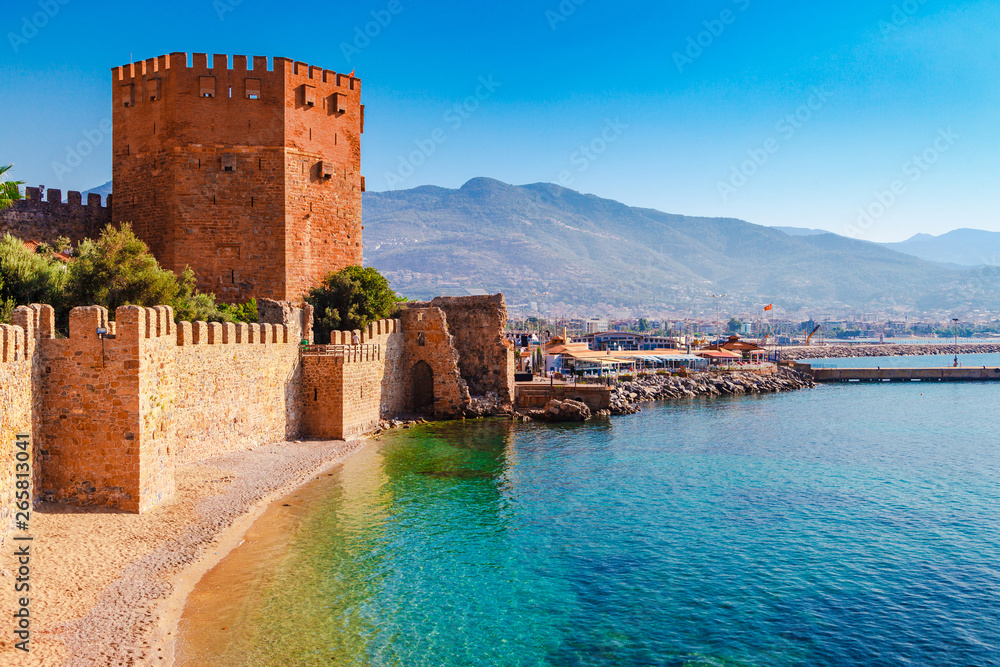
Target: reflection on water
pixel 846 525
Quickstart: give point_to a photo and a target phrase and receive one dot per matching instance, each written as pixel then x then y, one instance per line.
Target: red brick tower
pixel 252 177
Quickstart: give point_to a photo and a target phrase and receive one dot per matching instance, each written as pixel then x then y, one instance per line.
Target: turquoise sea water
pixel 846 525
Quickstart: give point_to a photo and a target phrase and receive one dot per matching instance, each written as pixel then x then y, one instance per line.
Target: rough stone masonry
pixel 116 405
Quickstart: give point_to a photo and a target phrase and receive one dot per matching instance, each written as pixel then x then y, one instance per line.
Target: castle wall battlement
pixel 43 216
pixel 118 403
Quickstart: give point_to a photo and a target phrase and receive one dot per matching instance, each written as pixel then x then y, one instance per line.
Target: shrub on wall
pixel 242 312
pixel 349 299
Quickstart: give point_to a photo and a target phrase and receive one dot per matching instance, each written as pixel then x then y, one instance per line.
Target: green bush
pixel 625 378
pixel 349 299
pixel 29 277
pixel 243 312
pixel 113 270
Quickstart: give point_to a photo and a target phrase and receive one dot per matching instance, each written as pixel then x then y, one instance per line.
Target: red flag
pixel 769 306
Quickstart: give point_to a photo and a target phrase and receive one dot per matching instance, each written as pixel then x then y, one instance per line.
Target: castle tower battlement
pixel 248 170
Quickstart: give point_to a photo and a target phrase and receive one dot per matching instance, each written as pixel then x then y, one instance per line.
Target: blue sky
pixel 780 113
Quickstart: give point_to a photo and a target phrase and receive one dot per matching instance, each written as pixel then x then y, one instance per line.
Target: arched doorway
pixel 423 387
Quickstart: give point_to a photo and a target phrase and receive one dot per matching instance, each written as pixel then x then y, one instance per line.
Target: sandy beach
pixel 108 588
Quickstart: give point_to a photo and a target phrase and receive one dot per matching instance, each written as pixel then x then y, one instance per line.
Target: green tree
pixel 735 325
pixel 6 306
pixel 243 312
pixel 351 298
pixel 643 325
pixel 117 269
pixel 10 191
pixel 29 277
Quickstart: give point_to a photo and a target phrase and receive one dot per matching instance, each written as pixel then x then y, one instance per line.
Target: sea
pixel 850 524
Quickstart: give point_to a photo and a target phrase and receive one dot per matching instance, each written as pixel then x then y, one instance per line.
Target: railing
pixel 349 352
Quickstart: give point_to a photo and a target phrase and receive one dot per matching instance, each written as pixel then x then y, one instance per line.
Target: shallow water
pixel 847 525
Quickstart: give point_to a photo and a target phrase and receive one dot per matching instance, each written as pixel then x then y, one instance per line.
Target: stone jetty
pixel 885 350
pixel 627 395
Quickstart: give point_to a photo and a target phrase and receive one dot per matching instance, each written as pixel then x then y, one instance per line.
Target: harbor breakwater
pixel 885 350
pixel 627 395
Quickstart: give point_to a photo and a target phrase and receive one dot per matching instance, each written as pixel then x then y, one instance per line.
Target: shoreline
pixel 836 351
pixel 112 586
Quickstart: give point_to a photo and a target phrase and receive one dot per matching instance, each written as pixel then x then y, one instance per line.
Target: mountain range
pixel 572 252
pixel 556 249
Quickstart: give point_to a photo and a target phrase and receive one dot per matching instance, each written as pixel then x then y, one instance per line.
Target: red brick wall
pixel 273 226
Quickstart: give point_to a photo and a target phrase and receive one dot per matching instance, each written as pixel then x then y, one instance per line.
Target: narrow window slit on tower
pixel 251 202
pixel 315 393
pixel 232 275
pixel 213 199
pixel 260 163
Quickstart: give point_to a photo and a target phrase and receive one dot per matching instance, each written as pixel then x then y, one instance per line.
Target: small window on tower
pixel 309 95
pixel 207 86
pixel 128 95
pixel 253 89
pixel 153 89
pixel 326 169
pixel 228 162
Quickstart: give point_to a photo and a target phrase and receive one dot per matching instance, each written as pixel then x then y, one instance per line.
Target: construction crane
pixel 809 337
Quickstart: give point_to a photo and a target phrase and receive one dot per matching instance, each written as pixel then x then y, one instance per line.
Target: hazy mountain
pixel 801 231
pixel 965 247
pixel 551 245
pixel 103 190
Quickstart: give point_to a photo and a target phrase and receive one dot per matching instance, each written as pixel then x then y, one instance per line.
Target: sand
pixel 108 588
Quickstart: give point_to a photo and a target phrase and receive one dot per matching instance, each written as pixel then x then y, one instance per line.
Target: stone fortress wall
pixel 44 219
pixel 116 405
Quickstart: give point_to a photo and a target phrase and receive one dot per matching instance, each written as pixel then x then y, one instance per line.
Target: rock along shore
pixel 626 396
pixel 885 350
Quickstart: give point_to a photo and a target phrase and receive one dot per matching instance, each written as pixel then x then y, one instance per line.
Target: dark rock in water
pixel 562 411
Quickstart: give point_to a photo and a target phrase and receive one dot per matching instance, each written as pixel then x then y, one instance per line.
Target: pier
pixel 948 374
